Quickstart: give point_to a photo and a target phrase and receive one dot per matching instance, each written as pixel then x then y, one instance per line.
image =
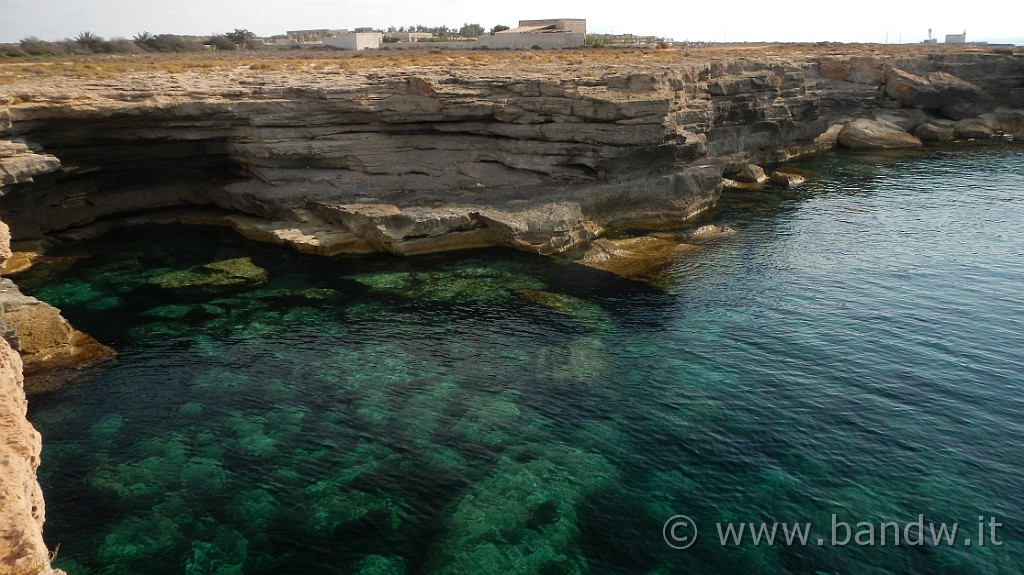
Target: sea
pixel 835 388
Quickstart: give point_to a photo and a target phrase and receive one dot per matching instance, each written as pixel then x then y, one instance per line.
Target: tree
pixel 499 28
pixel 240 36
pixel 89 40
pixel 144 39
pixel 471 30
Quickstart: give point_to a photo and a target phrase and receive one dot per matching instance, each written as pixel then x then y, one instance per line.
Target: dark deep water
pixel 854 350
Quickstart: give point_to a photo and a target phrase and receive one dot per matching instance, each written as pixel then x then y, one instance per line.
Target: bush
pixel 35 47
pixel 122 46
pixel 174 43
pixel 221 42
pixel 11 50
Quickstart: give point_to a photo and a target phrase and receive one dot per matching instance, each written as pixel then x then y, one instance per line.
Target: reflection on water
pixel 852 351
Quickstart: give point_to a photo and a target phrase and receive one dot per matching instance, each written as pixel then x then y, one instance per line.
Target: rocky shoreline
pixel 549 159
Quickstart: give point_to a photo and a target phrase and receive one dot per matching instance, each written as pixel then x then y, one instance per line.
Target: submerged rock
pixel 633 257
pixel 381 565
pixel 225 273
pixel 708 232
pixel 524 517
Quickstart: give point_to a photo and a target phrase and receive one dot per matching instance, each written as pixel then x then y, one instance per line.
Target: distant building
pixel 957 38
pixel 550 34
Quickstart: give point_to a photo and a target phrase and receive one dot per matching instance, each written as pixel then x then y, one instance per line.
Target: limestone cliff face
pixel 22 510
pixel 22 550
pixel 411 161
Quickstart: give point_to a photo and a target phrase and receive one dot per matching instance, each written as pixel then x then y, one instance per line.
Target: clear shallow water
pixel 855 349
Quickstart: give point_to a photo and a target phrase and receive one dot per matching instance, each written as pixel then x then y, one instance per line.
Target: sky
pixel 892 21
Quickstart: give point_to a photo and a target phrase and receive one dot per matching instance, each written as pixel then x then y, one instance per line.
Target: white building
pixel 957 38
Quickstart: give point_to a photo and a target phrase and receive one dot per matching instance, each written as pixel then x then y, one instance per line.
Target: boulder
pixel 936 131
pixel 973 129
pixel 752 174
pixel 870 134
pixel 730 184
pixel 906 118
pixel 1005 121
pixel 786 179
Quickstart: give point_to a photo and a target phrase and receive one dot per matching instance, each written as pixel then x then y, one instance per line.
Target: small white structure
pixel 355 40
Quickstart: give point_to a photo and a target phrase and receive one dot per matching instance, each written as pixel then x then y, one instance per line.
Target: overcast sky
pixel 710 20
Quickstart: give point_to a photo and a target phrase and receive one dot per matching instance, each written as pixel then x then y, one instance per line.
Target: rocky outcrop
pixel 940 92
pixel 44 339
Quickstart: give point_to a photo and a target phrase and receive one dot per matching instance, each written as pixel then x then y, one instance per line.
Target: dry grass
pixel 112 66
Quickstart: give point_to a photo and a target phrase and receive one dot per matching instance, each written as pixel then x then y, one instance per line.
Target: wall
pixel 355 41
pixel 551 41
pixel 410 36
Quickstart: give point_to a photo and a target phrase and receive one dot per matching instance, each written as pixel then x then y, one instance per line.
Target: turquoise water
pixel 853 350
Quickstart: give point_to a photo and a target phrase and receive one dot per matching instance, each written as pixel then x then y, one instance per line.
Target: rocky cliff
pixel 409 159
